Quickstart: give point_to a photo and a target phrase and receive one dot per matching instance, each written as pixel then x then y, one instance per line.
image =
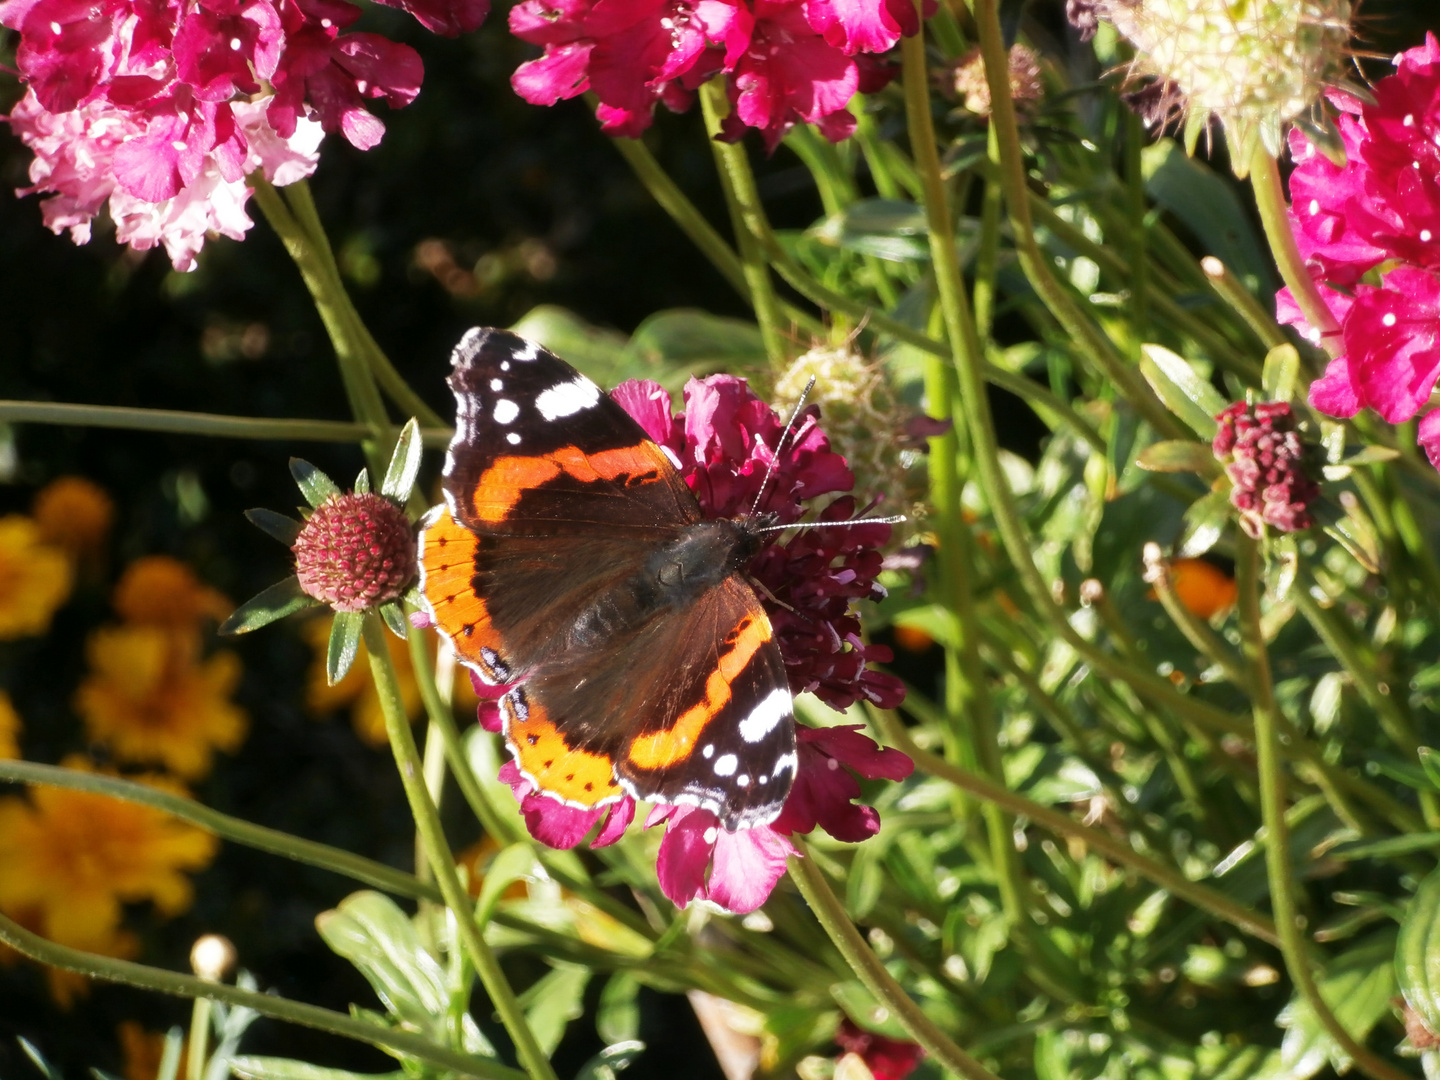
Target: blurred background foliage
pixel 474 209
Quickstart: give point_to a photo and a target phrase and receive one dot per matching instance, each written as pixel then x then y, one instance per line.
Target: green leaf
pixel 617 1020
pixel 611 1061
pixel 314 484
pixel 1386 848
pixel 33 1053
pixel 404 463
pixel 395 620
pixel 685 340
pixel 514 863
pixel 344 644
pixel 1430 762
pixel 1179 455
pixel 282 528
pixel 1204 522
pixel 1282 371
pixel 373 933
pixel 277 1068
pixel 865 1011
pixel 1357 985
pixel 554 1001
pixel 598 352
pixel 362 482
pixel 170 1056
pixel 1417 952
pixel 1183 390
pixel 283 598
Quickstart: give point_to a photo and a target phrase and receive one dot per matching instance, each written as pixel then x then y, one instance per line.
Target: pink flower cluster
pixel 1370 234
pixel 160 108
pixel 725 443
pixel 1265 460
pixel 787 61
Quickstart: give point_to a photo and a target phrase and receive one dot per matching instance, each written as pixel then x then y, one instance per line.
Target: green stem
pixel 1268 722
pixel 1230 289
pixel 199 1038
pixel 1075 322
pixel 193 423
pixel 295 1012
pixel 830 913
pixel 1117 850
pixel 302 205
pixel 442 861
pixel 345 863
pixel 1270 201
pixel 747 217
pixel 312 258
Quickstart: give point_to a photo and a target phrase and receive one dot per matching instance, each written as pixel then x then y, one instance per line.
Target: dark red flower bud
pixel 1265 460
pixel 357 551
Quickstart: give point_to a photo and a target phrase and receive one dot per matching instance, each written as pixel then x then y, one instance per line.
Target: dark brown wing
pixel 693 710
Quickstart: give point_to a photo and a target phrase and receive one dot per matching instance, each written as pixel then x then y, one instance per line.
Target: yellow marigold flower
pixel 9 728
pixel 1202 588
pixel 160 591
pixel 35 578
pixel 75 515
pixel 356 691
pixel 70 859
pixel 151 701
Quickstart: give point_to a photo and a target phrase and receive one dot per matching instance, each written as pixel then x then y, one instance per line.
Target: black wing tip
pixel 470 345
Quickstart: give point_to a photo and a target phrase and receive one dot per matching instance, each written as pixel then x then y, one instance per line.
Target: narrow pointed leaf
pixel 611 1061
pixel 344 643
pixel 395 620
pixel 362 482
pixel 314 484
pixel 1417 952
pixel 1179 455
pixel 1204 522
pixel 282 528
pixel 513 864
pixel 1184 391
pixel 277 1068
pixel 281 599
pixel 404 463
pixel 1282 371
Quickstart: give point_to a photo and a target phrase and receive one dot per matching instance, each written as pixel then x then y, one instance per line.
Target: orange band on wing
pixel 509 478
pixel 447 567
pixel 577 776
pixel 676 743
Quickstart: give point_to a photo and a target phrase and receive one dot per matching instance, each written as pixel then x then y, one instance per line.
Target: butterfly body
pixel 571 564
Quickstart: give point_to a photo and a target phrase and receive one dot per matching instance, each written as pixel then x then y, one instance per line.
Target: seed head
pixel 357 551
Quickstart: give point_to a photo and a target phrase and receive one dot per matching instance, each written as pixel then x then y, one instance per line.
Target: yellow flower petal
pixel 35 579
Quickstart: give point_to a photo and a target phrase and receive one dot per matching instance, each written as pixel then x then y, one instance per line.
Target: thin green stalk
pixel 1230 289
pixel 987 257
pixel 1114 848
pixel 1075 322
pixel 312 258
pixel 199 1038
pixel 830 913
pixel 1293 943
pixel 121 418
pixel 442 861
pixel 747 217
pixel 683 212
pixel 336 860
pixel 145 977
pixel 1270 202
pixel 302 205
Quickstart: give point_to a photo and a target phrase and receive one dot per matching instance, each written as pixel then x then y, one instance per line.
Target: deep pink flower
pixel 863 26
pixel 222 46
pixel 449 18
pixel 1379 214
pixel 561 825
pixel 789 75
pixel 886 1058
pixel 1429 436
pixel 743 866
pixel 825 788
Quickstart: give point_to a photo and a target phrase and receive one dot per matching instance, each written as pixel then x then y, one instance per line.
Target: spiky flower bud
pixel 1265 460
pixel 1027 87
pixel 880 437
pixel 356 551
pixel 1254 64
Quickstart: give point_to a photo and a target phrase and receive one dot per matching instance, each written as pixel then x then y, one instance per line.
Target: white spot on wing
pixel 763 718
pixel 496 385
pixel 505 411
pixel 725 765
pixel 513 438
pixel 674 460
pixel 567 398
pixel 529 352
pixel 708 752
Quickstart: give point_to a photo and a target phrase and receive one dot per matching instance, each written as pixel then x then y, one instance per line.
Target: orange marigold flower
pixel 356 690
pixel 35 578
pixel 151 701
pixel 1202 588
pixel 75 515
pixel 69 860
pixel 160 591
pixel 9 728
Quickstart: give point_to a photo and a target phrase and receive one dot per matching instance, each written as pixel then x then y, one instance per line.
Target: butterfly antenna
pixel 780 445
pixel 893 520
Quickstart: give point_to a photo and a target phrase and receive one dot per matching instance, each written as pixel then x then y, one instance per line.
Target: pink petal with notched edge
pixel 685 852
pixel 559 74
pixel 1429 436
pixel 747 865
pixel 1392 342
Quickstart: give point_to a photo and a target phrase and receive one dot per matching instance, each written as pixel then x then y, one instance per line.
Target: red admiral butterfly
pixel 570 563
